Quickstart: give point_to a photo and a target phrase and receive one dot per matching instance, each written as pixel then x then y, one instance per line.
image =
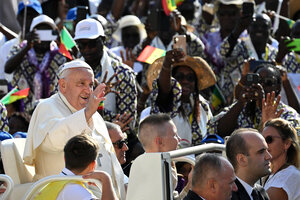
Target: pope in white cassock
pixel 72 111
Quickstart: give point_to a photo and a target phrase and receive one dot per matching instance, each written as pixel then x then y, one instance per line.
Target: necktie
pixel 254 194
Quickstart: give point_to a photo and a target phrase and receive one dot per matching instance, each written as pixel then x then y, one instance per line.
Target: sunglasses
pixel 120 143
pixel 189 77
pixel 269 139
pixel 90 44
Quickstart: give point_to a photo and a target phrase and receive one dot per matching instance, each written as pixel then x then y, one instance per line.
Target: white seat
pixel 12 153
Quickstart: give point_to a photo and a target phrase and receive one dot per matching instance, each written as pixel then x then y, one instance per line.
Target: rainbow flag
pixel 150 54
pixel 14 95
pixel 66 43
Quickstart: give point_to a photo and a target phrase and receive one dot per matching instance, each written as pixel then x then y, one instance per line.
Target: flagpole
pixel 24 18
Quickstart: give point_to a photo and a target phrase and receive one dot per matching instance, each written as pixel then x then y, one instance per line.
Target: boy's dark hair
pixel 80 151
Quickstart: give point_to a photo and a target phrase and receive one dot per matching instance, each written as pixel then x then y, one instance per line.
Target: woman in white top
pixel 284 181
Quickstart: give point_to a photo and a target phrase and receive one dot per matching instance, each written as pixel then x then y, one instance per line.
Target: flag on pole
pixel 168 6
pixel 150 54
pixel 290 23
pixel 66 43
pixel 14 95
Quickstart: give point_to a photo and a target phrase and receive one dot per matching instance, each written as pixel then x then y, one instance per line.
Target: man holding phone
pixel 34 63
pixel 235 51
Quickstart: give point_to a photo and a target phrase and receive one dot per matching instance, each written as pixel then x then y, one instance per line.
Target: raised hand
pixel 123 121
pixel 269 108
pixel 109 84
pixel 129 59
pixel 95 98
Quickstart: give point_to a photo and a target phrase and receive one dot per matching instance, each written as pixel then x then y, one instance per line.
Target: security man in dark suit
pixel 246 149
pixel 212 179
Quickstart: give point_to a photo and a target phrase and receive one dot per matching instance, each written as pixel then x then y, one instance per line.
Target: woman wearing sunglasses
pixel 176 92
pixel 283 145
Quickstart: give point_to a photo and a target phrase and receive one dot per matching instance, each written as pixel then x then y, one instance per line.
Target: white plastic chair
pixel 37 186
pixel 9 186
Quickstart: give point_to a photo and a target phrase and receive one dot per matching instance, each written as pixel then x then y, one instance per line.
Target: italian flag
pixel 14 95
pixel 150 54
pixel 66 43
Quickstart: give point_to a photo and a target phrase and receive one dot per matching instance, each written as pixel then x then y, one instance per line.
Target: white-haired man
pixel 72 111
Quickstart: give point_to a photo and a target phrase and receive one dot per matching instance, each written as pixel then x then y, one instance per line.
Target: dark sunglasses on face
pixel 91 44
pixel 120 143
pixel 189 77
pixel 269 139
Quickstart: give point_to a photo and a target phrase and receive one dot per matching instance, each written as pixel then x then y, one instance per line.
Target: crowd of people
pixel 232 77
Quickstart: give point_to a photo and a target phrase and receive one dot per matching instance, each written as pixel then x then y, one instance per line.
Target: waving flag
pixel 66 43
pixel 14 95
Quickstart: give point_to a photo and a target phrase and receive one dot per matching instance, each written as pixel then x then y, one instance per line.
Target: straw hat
pixel 205 75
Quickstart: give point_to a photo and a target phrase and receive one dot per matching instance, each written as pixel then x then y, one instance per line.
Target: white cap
pixel 232 2
pixel 129 20
pixel 88 29
pixel 42 19
pixel 73 64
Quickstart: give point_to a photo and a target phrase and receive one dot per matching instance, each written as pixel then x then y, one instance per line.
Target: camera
pixel 252 78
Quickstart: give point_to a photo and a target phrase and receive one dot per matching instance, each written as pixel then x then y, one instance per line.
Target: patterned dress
pixel 231 73
pixel 126 99
pixel 4 121
pixel 197 130
pixel 244 121
pixel 23 76
pixel 292 62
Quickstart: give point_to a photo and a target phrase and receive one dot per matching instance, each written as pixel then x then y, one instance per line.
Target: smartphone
pixel 248 8
pixel 47 35
pixel 82 13
pixel 252 78
pixel 179 42
pixel 158 21
pixel 256 63
pixel 296 43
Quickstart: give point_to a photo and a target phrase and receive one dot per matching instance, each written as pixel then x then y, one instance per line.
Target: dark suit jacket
pixel 192 196
pixel 242 194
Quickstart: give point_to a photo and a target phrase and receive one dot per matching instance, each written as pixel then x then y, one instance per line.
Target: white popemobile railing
pixel 150 174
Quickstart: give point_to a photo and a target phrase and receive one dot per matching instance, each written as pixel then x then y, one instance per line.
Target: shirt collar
pixel 247 187
pixel 63 98
pixel 67 172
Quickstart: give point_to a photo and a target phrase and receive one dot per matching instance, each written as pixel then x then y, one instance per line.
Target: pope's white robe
pixel 53 123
